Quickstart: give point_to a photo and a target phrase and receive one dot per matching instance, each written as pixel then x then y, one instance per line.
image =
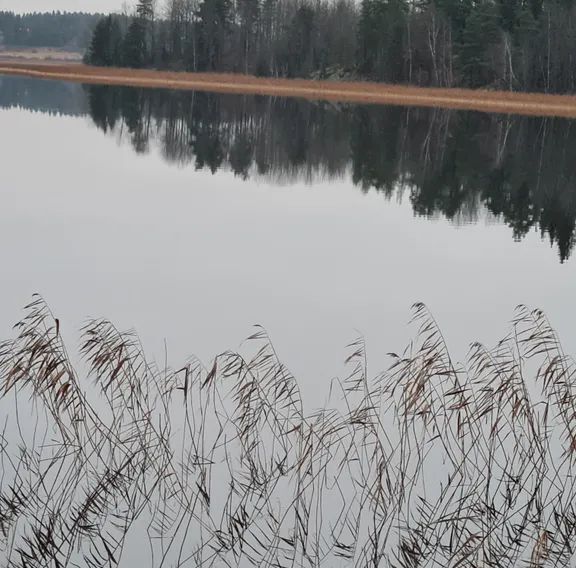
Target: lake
pixel 192 216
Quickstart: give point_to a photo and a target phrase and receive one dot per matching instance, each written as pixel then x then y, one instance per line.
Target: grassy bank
pixel 354 92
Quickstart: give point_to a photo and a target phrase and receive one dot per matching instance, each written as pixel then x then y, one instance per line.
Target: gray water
pixel 190 217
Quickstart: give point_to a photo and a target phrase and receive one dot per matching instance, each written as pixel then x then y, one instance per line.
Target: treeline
pixel 53 29
pixel 456 164
pixel 506 44
pixel 261 37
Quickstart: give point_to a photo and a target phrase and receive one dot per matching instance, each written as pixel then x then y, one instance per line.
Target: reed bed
pixel 426 464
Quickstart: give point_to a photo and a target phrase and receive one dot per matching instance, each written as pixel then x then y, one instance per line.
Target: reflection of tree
pixel 54 97
pixel 241 155
pixel 518 168
pixel 103 107
pixel 454 164
pixel 534 184
pixel 279 138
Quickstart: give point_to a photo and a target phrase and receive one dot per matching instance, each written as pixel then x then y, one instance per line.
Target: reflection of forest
pixel 449 162
pixel 52 97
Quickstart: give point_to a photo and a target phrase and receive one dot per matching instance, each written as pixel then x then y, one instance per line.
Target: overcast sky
pixel 63 5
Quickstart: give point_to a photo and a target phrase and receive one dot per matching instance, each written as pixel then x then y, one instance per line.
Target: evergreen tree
pixel 509 11
pixel 525 42
pixel 214 23
pixel 105 47
pixel 134 50
pixel 300 54
pixel 381 31
pixel 479 35
pixel 536 8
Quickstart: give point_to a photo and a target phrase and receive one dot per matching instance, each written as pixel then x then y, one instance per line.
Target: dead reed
pixel 427 464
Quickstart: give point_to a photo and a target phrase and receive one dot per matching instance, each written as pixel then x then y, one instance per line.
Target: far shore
pixel 534 104
pixel 39 54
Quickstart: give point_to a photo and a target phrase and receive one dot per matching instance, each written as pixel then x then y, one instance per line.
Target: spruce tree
pixel 480 33
pixel 102 49
pixel 134 49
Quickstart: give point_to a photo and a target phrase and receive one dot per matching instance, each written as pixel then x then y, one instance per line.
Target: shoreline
pixel 505 102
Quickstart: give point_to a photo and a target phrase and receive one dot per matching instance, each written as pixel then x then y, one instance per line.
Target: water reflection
pixel 454 164
pixel 450 163
pixel 51 97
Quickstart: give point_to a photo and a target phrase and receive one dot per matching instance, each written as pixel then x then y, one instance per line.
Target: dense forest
pixel 51 29
pixel 505 44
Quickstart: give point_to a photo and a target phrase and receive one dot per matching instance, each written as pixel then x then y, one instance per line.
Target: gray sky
pixel 21 6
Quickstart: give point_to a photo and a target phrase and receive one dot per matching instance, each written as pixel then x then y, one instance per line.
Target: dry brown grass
pixel 40 54
pixel 359 92
pixel 429 464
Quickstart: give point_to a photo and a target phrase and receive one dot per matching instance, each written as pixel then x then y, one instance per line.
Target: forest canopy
pixel 504 44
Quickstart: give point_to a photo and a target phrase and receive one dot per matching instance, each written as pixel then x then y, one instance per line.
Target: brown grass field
pixel 32 55
pixel 356 92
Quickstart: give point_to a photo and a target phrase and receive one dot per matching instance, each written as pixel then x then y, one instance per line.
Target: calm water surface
pixel 192 216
